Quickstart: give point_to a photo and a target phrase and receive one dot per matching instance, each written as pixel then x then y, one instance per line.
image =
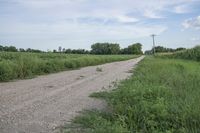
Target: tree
pixel 124 51
pixel 161 49
pixel 33 50
pixel 59 49
pixel 113 49
pixel 12 49
pixel 180 49
pixel 97 48
pixel 135 49
pixel 8 49
pixel 1 48
pixel 63 50
pixel 68 51
pixel 22 50
pixel 105 48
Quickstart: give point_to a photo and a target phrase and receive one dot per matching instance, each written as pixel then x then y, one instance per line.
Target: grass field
pixel 18 65
pixel 189 54
pixel 162 96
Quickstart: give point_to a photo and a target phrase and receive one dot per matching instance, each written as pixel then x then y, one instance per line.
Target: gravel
pixel 42 104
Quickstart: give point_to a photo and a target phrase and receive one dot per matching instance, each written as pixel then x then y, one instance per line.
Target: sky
pixel 48 24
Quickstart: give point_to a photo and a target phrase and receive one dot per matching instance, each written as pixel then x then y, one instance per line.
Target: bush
pixel 7 70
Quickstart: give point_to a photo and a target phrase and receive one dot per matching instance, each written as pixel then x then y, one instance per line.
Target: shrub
pixel 7 70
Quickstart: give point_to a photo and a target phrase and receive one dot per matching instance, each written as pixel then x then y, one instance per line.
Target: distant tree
pixel 33 50
pixel 1 48
pixel 135 49
pixel 12 49
pixel 28 50
pixel 98 48
pixel 77 51
pixel 22 50
pixel 114 49
pixel 180 49
pixel 9 49
pixel 54 51
pixel 124 51
pixel 161 49
pixel 59 49
pixel 63 50
pixel 105 48
pixel 68 51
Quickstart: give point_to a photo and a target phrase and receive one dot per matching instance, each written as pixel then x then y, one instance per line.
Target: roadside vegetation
pixel 162 96
pixel 20 65
pixel 189 54
pixel 178 53
pixel 161 49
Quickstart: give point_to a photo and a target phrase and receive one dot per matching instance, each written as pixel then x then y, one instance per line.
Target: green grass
pixel 189 54
pixel 18 65
pixel 161 97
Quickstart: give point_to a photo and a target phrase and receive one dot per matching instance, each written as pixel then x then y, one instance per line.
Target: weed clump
pixel 98 69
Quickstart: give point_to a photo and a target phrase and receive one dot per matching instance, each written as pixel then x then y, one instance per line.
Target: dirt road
pixel 41 104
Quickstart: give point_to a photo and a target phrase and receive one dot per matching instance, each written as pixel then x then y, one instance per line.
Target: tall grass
pixel 161 97
pixel 189 54
pixel 25 65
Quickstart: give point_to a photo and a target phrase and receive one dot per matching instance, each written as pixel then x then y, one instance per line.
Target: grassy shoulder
pixel 26 65
pixel 162 96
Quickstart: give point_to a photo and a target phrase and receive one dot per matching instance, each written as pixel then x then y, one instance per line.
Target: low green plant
pixel 16 65
pixel 189 54
pixel 99 69
pixel 161 97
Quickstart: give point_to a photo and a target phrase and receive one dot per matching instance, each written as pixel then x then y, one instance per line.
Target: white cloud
pixel 152 14
pixel 181 9
pixel 72 31
pixel 126 19
pixel 192 23
pixel 51 21
pixel 195 39
pixel 112 8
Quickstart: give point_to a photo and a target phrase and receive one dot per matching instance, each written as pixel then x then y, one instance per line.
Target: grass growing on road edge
pixel 162 96
pixel 26 65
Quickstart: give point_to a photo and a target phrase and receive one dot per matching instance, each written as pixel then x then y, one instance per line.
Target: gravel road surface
pixel 41 104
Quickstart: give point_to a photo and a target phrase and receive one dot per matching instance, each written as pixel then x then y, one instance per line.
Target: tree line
pixel 161 49
pixel 14 49
pixel 105 49
pixel 97 48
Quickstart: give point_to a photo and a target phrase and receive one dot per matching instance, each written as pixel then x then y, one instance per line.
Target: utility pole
pixel 153 36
